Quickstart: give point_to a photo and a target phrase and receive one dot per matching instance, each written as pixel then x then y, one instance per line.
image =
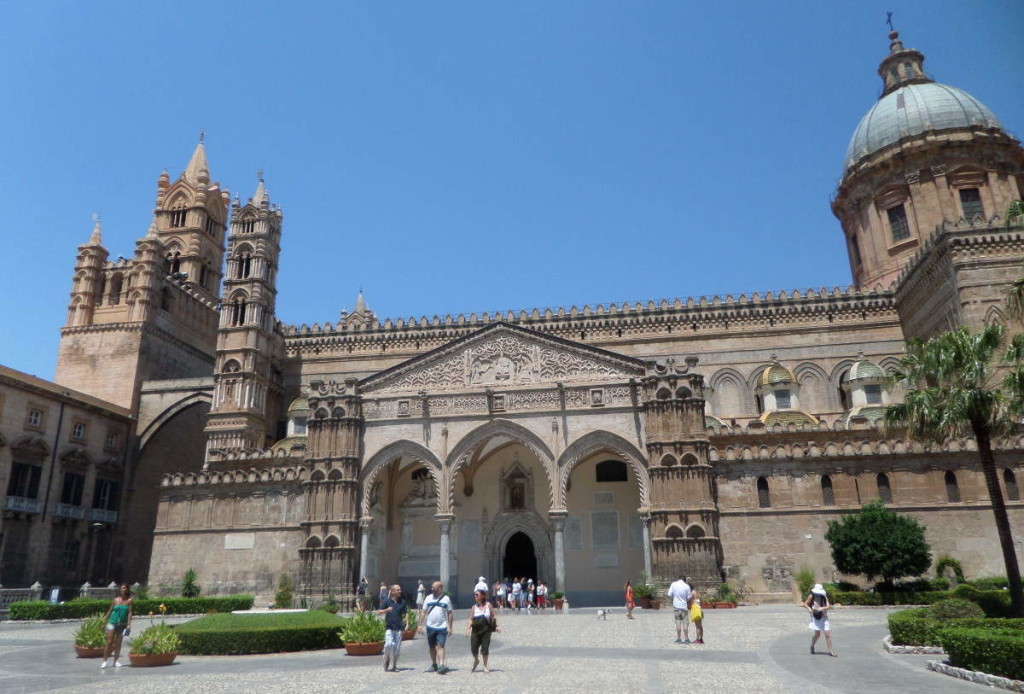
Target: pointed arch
pixel 995 316
pixel 815 394
pixel 202 397
pixel 602 442
pixel 415 452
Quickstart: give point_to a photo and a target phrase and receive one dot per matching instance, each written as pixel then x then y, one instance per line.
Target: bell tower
pixel 250 348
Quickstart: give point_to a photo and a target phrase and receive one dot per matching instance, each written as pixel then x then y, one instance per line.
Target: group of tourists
pixel 435 617
pixel 518 594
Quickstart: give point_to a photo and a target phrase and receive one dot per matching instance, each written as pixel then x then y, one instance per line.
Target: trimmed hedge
pixel 236 634
pixel 922 598
pixel 78 609
pixel 915 628
pixel 995 652
pixel 996 603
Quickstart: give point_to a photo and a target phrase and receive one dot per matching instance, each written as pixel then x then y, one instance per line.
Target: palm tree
pixel 959 384
pixel 1015 297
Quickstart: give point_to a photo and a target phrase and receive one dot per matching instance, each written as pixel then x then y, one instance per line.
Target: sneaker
pixel 679 640
pixel 117 664
pixel 442 670
pixel 387 665
pixel 105 664
pixel 700 641
pixel 433 667
pixel 686 641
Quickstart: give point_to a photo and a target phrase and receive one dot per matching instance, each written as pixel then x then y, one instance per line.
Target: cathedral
pixel 581 446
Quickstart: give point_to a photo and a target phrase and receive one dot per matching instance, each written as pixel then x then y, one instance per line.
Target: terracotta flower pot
pixel 375 648
pixel 408 634
pixel 85 652
pixel 151 659
pixel 655 604
pixel 558 603
pixel 645 603
pixel 725 605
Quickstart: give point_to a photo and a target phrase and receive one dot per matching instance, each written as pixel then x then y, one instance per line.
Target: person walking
pixel 396 620
pixel 681 595
pixel 361 594
pixel 382 594
pixel 119 622
pixel 697 615
pixel 421 593
pixel 436 617
pixel 481 584
pixel 499 594
pixel 517 594
pixel 630 600
pixel 817 605
pixel 482 623
pixel 542 595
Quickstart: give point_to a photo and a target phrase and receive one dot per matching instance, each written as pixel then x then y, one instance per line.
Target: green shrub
pixel 362 627
pixel 944 562
pixel 804 581
pixel 939 584
pixel 90 633
pixel 996 603
pixel 916 627
pixel 189 587
pixel 330 606
pixel 229 634
pixel 283 597
pixel 994 652
pixel 78 609
pixel 923 598
pixel 725 593
pixel 991 583
pixel 954 608
pixel 640 590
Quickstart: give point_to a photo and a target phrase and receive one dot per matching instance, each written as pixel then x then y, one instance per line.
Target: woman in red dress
pixel 630 602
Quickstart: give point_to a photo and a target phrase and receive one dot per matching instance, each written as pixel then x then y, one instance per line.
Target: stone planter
pixel 558 603
pixel 655 604
pixel 645 603
pixel 725 605
pixel 408 634
pixel 151 659
pixel 375 648
pixel 85 652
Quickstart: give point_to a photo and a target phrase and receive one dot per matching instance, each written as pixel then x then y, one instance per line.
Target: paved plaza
pixel 750 649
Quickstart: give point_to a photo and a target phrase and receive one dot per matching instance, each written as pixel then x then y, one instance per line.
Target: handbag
pixel 696 613
pixel 817 614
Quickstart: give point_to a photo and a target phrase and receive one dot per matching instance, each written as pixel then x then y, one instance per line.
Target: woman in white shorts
pixel 817 605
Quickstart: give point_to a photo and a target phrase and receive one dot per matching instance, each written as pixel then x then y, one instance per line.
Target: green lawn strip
pixel 80 608
pixel 239 634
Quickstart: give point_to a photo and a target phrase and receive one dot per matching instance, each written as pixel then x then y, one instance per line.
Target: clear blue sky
pixel 457 157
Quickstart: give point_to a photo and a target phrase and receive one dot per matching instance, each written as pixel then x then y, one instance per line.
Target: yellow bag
pixel 696 614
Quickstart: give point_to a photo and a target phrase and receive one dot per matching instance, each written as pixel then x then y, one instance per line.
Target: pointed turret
pixel 198 171
pixel 902 66
pixel 360 303
pixel 259 198
pixel 96 239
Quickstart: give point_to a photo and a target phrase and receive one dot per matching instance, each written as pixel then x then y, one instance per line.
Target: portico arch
pixel 602 442
pixel 415 452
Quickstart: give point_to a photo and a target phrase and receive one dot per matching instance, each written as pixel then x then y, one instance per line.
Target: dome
pixel 787 417
pixel 914 109
pixel 775 374
pixel 864 369
pixel 299 407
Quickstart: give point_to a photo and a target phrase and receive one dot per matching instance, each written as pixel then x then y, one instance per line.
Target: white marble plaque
pixel 604 529
pixel 469 536
pixel 573 533
pixel 636 531
pixel 239 540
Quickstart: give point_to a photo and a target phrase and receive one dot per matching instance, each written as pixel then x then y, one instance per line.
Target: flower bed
pixel 79 608
pixel 237 634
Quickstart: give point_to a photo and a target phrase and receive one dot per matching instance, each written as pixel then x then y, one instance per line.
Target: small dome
pixel 871 413
pixel 787 417
pixel 775 374
pixel 298 408
pixel 912 110
pixel 863 369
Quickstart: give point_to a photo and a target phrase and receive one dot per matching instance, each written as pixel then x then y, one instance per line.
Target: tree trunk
pixel 995 493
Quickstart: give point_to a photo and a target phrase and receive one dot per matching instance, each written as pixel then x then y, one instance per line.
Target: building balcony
pixel 23 504
pixel 68 511
pixel 103 515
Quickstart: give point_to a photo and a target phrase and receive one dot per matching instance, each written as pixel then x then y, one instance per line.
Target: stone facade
pixel 713 436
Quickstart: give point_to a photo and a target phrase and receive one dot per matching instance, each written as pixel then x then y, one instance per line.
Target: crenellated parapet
pixel 293 473
pixel 603 322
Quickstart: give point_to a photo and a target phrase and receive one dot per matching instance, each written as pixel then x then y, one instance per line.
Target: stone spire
pixel 260 196
pixel 360 303
pixel 96 239
pixel 902 66
pixel 198 171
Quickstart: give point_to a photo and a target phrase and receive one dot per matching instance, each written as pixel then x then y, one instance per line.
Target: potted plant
pixel 157 645
pixel 410 633
pixel 643 592
pixel 725 596
pixel 90 638
pixel 363 634
pixel 558 598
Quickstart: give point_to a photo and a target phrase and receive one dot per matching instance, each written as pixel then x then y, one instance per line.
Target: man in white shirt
pixel 436 616
pixel 681 596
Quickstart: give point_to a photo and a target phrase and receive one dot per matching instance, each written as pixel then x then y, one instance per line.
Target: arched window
pixel 238 311
pixel 674 532
pixel 844 402
pixel 178 217
pixel 695 532
pixel 173 263
pixel 1010 482
pixel 611 471
pixel 664 394
pixel 764 499
pixel 884 490
pixel 243 262
pixel 952 488
pixel 102 290
pixel 116 286
pixel 165 299
pixel 828 497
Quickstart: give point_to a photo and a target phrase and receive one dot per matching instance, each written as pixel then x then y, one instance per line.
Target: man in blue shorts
pixel 436 617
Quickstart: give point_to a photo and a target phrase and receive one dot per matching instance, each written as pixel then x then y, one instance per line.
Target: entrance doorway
pixel 520 557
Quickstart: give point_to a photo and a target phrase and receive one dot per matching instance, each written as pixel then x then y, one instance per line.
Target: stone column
pixel 446 561
pixel 364 547
pixel 558 521
pixel 646 518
